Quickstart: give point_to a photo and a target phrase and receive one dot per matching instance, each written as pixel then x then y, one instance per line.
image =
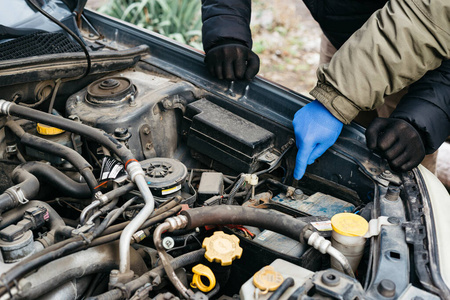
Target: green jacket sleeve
pixel 394 48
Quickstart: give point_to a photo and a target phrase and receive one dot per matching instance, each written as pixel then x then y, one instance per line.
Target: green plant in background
pixel 176 19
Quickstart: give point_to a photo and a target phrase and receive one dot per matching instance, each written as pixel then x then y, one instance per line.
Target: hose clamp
pixel 17 194
pixel 134 168
pixel 102 198
pixel 5 106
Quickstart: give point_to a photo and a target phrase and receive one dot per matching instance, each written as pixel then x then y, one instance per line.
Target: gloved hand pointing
pixel 232 61
pixel 316 130
pixel 397 141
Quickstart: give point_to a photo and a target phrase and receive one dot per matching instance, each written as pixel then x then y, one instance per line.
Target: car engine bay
pixel 136 182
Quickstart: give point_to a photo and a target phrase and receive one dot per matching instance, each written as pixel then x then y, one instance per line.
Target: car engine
pixel 76 179
pixel 122 179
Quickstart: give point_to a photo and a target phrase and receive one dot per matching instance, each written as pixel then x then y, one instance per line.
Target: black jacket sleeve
pixel 225 20
pixel 427 107
pixel 339 19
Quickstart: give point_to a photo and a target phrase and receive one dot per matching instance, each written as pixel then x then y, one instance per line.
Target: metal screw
pixel 148 146
pixel 146 130
pixel 91 35
pixel 298 192
pixel 168 243
pixel 120 132
pixel 132 101
pixel 392 193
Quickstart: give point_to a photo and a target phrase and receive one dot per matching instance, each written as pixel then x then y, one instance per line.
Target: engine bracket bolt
pixel 330 278
pixel 386 288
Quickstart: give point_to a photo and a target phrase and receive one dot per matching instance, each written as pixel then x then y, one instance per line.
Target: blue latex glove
pixel 316 130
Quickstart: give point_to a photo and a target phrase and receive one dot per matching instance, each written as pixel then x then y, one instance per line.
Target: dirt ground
pixel 287 40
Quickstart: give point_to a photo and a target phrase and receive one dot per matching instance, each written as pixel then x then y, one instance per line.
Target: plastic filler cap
pixel 199 271
pixel 222 248
pixel 349 224
pixel 267 279
pixel 48 130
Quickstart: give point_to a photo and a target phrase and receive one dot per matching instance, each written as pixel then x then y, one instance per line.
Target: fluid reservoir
pixel 348 237
pixel 55 135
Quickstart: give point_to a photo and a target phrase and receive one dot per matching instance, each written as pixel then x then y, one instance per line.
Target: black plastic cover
pixel 225 137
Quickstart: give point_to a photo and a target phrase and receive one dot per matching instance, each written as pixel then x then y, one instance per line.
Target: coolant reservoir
pixel 348 237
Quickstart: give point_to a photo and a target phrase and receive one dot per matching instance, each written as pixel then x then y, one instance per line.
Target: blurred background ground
pixel 287 40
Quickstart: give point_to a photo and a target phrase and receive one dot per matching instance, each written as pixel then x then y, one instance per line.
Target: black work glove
pixel 397 141
pixel 232 61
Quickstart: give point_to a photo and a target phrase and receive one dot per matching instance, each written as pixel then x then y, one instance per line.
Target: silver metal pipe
pixel 87 209
pixel 137 176
pixel 170 224
pixel 324 246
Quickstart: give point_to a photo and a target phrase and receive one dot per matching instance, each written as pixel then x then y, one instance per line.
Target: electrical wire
pixel 70 32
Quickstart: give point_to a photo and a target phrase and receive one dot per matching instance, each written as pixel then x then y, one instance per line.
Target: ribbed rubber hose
pixel 56 149
pixel 231 214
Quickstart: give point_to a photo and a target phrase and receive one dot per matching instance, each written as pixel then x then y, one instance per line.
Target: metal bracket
pixel 145 134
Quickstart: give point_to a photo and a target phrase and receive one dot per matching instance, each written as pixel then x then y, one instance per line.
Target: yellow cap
pixel 202 270
pixel 349 224
pixel 267 279
pixel 48 130
pixel 222 248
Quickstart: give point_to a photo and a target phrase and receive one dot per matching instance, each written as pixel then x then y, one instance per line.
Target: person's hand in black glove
pixel 232 61
pixel 397 141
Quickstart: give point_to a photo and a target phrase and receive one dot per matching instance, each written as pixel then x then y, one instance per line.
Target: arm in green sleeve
pixel 394 48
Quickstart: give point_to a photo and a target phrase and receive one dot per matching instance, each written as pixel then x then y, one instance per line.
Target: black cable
pixel 287 283
pixel 39 259
pixel 289 146
pixel 70 32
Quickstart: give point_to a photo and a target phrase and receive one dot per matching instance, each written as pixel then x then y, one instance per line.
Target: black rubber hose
pixel 50 175
pixel 235 189
pixel 157 212
pixel 39 259
pixel 14 216
pixel 7 202
pixel 108 237
pixel 90 132
pixel 27 184
pixel 179 262
pixel 278 184
pixel 120 191
pixel 231 214
pixel 287 283
pixel 56 149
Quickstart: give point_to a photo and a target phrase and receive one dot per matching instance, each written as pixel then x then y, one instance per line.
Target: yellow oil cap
pixel 48 130
pixel 222 248
pixel 349 224
pixel 199 271
pixel 267 279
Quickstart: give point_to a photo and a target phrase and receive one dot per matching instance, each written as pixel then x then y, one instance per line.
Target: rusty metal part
pixel 110 91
